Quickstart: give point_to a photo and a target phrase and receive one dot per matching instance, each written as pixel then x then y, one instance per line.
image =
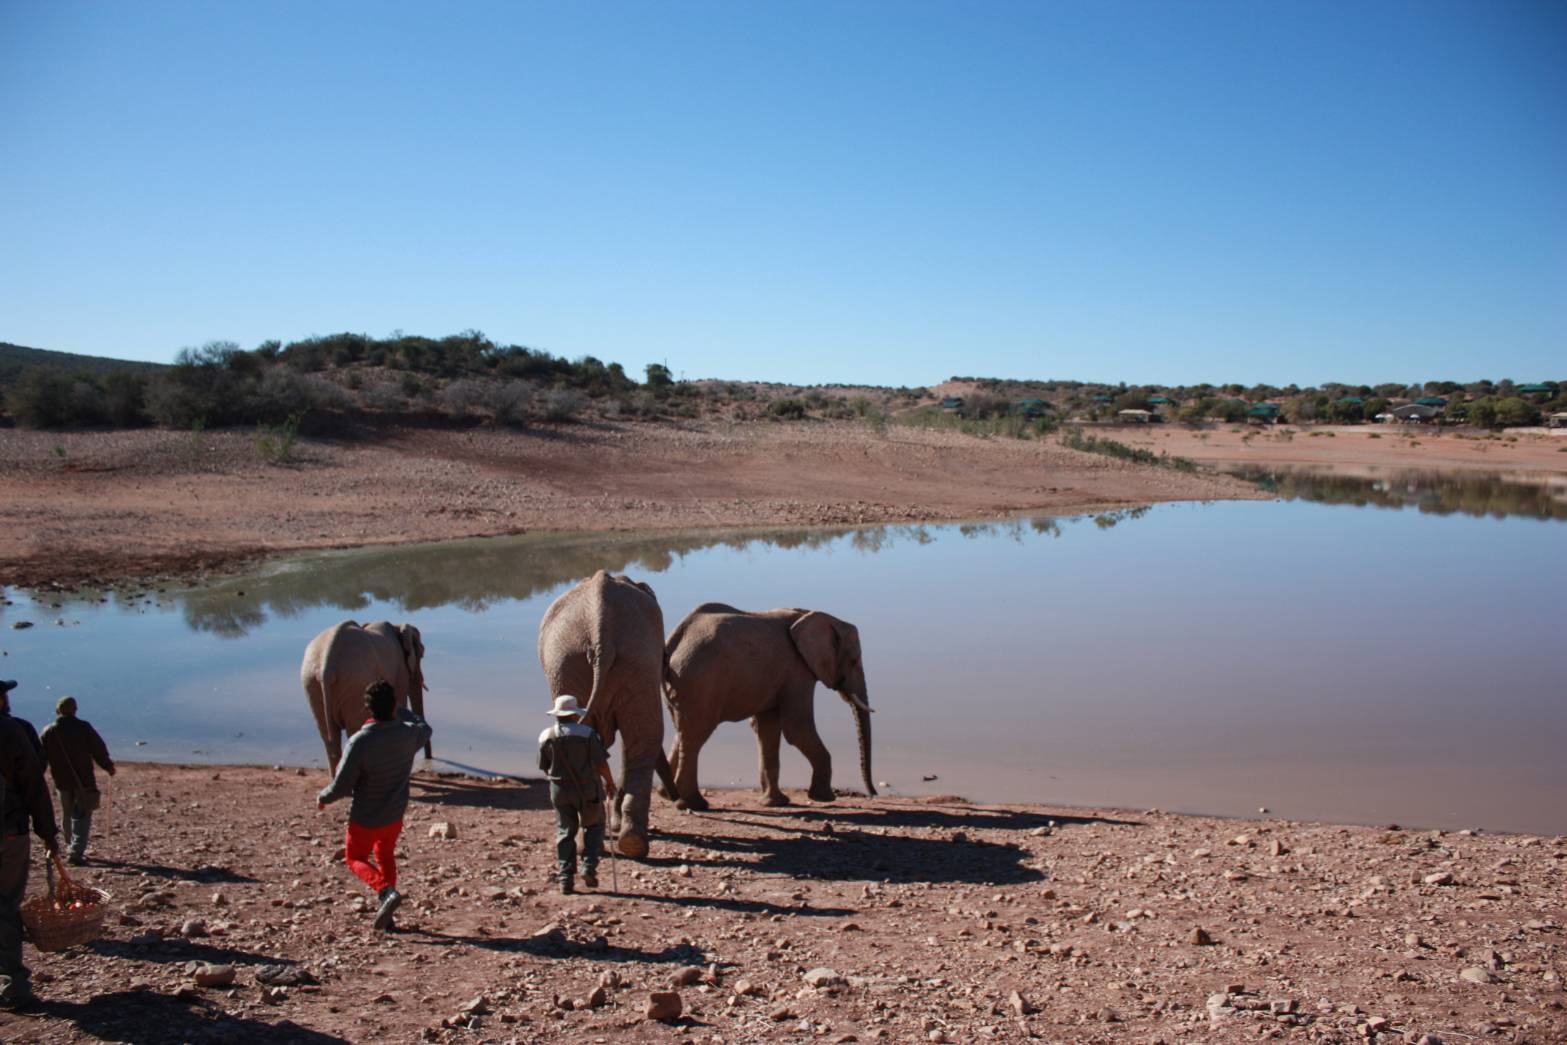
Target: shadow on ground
pixel 179 950
pixel 557 945
pixel 206 874
pixel 849 844
pixel 504 795
pixel 147 1016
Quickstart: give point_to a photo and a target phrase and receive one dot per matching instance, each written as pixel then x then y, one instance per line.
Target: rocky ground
pixel 94 507
pixel 867 920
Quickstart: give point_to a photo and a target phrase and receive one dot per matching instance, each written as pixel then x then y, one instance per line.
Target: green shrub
pixel 786 410
pixel 276 442
pixel 41 399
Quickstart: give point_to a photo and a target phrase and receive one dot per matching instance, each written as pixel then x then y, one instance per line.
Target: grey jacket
pixel 375 770
pixel 570 754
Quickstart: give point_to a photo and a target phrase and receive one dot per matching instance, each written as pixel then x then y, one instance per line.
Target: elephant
pixel 724 665
pixel 603 642
pixel 344 659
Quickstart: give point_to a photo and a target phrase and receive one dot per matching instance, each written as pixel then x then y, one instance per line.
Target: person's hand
pixel 320 807
pixel 111 770
pixel 52 845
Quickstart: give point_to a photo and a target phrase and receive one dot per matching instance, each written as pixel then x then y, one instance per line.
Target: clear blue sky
pixel 890 191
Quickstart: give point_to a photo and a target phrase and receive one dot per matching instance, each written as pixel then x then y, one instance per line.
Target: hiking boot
pixel 390 899
pixel 567 885
pixel 590 877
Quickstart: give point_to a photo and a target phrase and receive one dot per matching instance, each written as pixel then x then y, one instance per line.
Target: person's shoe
pixel 20 1001
pixel 390 899
pixel 76 860
pixel 590 877
pixel 567 886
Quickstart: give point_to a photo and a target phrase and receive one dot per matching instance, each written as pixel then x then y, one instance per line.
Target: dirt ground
pixel 1363 449
pixel 92 507
pixel 864 920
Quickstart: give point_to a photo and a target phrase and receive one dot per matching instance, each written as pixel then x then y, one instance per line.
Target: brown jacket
pixel 71 747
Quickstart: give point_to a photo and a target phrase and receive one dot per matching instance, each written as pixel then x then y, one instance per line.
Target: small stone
pixel 597 998
pixel 219 900
pixel 493 892
pixel 822 978
pixel 478 1006
pixel 1378 1024
pixel 938 1036
pixel 1019 1004
pixel 1440 878
pixel 686 977
pixel 1412 940
pixel 1475 974
pixel 214 976
pixel 744 988
pixel 1200 938
pixel 663 1006
pixel 192 928
pixel 444 830
pixel 781 1014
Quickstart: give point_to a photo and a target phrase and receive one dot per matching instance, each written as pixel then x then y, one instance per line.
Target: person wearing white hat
pixel 573 757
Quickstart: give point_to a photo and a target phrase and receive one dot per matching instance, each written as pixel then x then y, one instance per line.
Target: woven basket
pixel 51 922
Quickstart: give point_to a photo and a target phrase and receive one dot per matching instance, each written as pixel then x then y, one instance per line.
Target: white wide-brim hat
pixel 566 704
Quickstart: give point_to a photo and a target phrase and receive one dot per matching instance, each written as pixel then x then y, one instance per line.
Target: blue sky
pixel 857 190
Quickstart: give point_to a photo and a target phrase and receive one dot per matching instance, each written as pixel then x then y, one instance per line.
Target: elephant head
pixel 831 648
pixel 413 657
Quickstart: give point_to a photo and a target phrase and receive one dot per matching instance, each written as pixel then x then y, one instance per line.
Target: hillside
pixel 17 359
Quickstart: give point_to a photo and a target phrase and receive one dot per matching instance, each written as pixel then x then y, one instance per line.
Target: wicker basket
pixel 52 923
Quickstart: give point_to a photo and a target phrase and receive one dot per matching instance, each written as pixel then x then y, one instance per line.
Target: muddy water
pixel 1322 661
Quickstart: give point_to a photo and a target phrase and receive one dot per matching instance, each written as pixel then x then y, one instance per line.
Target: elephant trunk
pixel 416 688
pixel 862 729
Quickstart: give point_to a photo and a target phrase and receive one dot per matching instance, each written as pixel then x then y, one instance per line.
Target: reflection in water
pixel 1439 493
pixel 474 575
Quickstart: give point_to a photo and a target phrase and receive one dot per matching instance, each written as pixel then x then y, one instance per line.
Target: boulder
pixel 663 1006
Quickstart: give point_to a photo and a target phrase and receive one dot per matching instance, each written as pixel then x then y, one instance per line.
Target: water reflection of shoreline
pixel 475 574
pixel 1434 492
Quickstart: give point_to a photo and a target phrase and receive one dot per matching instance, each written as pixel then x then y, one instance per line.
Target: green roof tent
pixel 1159 400
pixel 1268 410
pixel 1352 401
pixel 1102 398
pixel 1436 401
pixel 1539 388
pixel 952 403
pixel 1032 407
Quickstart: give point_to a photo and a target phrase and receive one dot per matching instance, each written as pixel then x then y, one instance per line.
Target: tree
pixel 658 376
pixel 1515 411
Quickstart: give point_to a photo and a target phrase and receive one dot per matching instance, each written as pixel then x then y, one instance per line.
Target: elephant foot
pixel 777 798
pixel 822 794
pixel 632 844
pixel 696 803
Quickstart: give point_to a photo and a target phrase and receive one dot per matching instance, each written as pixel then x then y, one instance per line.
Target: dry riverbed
pixel 866 920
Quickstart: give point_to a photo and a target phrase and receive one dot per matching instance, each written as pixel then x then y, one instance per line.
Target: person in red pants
pixel 375 769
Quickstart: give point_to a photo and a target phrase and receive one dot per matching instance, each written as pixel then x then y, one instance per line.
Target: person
pixel 71 746
pixel 573 757
pixel 24 800
pixel 375 769
pixel 25 726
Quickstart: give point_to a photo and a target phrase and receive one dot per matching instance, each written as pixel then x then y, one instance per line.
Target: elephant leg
pixel 636 793
pixel 802 734
pixel 666 777
pixel 687 783
pixel 334 751
pixel 767 729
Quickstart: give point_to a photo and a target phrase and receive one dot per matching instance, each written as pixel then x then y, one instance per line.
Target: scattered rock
pixel 283 975
pixel 781 1013
pixel 1475 974
pixel 214 976
pixel 822 978
pixel 1019 1004
pixel 444 830
pixel 745 988
pixel 192 928
pixel 663 1006
pixel 597 998
pixel 478 1006
pixel 1440 878
pixel 688 976
pixel 1199 938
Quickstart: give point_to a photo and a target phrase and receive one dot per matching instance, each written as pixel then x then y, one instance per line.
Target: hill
pixel 17 359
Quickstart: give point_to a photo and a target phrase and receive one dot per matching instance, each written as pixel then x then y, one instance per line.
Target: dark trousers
pixel 76 809
pixel 15 853
pixel 568 817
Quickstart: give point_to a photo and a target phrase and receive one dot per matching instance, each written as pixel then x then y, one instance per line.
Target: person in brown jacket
pixel 71 746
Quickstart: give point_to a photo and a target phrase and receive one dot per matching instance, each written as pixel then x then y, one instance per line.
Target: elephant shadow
pixel 849 844
pixel 503 794
pixel 149 1016
pixel 207 874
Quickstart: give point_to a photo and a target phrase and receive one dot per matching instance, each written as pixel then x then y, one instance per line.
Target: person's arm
pixel 601 761
pixel 348 772
pixel 544 756
pixel 29 771
pixel 100 750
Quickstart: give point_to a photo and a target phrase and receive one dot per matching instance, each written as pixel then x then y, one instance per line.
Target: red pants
pixel 358 846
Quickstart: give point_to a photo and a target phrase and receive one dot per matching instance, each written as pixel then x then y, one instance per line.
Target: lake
pixel 1325 661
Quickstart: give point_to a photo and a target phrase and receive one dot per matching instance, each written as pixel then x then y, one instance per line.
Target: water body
pixel 1326 662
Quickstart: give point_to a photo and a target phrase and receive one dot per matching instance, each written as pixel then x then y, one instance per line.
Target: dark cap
pixel 7 685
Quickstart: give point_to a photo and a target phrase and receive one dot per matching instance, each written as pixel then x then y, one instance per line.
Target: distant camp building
pixel 952 403
pixel 1539 388
pixel 1417 413
pixel 1557 420
pixel 1436 401
pixel 1032 408
pixel 1136 417
pixel 1264 413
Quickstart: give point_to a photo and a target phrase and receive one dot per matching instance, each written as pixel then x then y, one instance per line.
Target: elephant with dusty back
pixel 346 658
pixel 603 643
pixel 724 665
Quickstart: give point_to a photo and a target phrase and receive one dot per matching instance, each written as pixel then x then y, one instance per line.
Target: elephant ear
pixel 413 647
pixel 816 636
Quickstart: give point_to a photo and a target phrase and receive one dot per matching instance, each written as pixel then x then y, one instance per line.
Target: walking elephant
pixel 603 642
pixel 344 659
pixel 724 665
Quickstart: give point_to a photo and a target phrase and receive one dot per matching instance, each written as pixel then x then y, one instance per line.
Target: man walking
pixel 375 769
pixel 573 757
pixel 71 746
pixel 24 799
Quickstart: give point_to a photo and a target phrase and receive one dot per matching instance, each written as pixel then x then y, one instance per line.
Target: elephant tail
pixel 602 657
